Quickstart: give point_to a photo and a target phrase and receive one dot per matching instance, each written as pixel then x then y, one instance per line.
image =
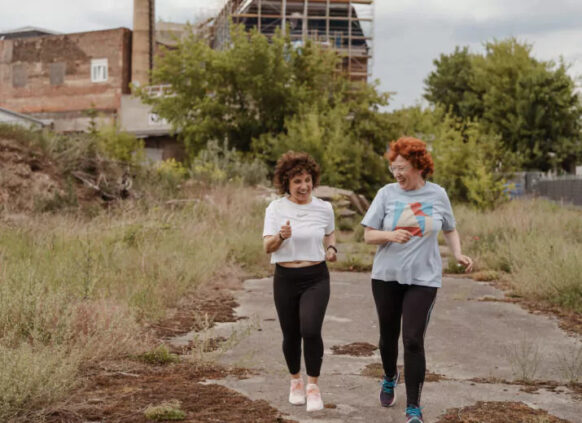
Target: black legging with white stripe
pixel 301 297
pixel 412 304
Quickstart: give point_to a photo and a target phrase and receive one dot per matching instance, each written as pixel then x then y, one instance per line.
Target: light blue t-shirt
pixel 423 212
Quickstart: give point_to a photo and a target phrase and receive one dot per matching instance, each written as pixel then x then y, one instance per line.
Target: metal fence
pixel 558 188
pixel 567 189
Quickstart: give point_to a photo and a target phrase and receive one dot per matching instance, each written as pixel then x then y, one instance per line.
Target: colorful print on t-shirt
pixel 416 218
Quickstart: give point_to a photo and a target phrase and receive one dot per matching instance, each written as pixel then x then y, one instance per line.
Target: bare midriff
pixel 299 263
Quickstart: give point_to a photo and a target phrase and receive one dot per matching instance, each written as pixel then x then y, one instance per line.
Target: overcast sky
pixel 409 34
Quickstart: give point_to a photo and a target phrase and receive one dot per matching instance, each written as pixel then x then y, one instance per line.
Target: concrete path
pixel 466 339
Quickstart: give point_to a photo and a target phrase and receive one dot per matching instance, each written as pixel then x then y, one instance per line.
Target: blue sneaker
pixel 387 394
pixel 413 414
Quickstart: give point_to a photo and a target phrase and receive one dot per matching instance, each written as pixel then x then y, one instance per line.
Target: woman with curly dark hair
pixel 404 221
pixel 299 235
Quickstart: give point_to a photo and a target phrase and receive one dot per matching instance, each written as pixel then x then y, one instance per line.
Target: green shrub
pixel 345 161
pixel 217 164
pixel 169 174
pixel 159 355
pixel 169 410
pixel 467 163
pixel 119 145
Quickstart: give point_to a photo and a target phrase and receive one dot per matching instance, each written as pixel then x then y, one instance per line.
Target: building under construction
pixel 344 25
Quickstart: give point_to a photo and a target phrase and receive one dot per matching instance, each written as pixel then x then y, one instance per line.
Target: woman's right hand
pixel 400 236
pixel 285 231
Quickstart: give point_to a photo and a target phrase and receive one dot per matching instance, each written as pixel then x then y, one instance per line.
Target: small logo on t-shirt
pixel 416 218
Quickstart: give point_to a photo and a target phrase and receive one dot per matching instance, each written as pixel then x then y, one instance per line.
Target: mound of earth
pixel 31 181
pixel 27 178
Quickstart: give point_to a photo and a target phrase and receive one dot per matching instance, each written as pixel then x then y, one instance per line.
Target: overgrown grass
pixel 537 243
pixel 75 290
pixel 169 410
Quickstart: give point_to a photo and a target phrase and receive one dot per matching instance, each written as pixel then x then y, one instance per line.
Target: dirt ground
pixel 29 181
pixel 498 412
pixel 121 391
pixel 358 349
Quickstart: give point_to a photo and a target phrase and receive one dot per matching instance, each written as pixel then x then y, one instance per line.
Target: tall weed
pixel 538 243
pixel 32 378
pixel 74 290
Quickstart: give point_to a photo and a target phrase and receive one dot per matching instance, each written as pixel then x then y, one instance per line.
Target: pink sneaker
pixel 297 392
pixel 314 401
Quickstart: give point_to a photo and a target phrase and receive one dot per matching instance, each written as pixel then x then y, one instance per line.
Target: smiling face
pixel 300 187
pixel 408 177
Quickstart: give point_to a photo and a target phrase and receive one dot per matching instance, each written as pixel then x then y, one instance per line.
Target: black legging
pixel 413 304
pixel 301 297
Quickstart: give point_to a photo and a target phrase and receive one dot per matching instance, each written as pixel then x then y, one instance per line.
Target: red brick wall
pixel 77 92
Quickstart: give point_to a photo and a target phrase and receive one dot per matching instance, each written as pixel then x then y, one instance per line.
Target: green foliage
pixel 159 355
pixel 531 104
pixel 328 137
pixel 169 410
pixel 218 164
pixel 411 121
pixel 470 161
pixel 169 174
pixel 467 162
pixel 240 92
pixel 452 84
pixel 119 145
pixel 264 95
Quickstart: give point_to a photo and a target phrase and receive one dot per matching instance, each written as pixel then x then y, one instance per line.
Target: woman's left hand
pixel 465 261
pixel 330 255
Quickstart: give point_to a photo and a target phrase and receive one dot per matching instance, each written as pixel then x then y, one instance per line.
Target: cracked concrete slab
pixel 467 339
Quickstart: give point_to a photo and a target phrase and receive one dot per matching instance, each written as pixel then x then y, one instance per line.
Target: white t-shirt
pixel 309 223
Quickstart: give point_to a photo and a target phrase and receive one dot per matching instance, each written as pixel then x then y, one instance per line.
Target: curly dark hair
pixel 291 164
pixel 413 150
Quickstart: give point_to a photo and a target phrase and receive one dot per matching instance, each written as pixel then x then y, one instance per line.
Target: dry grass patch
pixel 77 290
pixel 498 412
pixel 536 242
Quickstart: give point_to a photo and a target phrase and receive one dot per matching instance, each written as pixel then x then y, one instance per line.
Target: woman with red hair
pixel 404 221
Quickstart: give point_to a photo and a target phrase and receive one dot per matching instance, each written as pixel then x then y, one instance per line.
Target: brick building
pixel 61 77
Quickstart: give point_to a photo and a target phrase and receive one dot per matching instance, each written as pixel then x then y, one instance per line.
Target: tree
pixel 452 85
pixel 471 162
pixel 329 137
pixel 244 91
pixel 531 104
pixel 260 92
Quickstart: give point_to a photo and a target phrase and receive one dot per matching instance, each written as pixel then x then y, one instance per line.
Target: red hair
pixel 413 150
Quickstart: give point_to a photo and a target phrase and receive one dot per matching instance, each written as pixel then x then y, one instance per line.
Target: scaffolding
pixel 346 26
